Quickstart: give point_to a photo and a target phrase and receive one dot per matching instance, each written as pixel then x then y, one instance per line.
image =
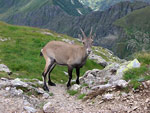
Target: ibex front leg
pixel 78 75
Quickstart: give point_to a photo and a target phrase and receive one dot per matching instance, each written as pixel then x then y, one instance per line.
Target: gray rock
pixel 45 95
pixel 48 108
pixel 15 92
pixel 102 87
pixel 75 87
pixel 68 41
pixel 98 59
pixel 5 68
pixel 120 83
pixel 40 82
pixel 18 82
pixel 26 103
pixel 66 73
pixel 39 90
pixel 124 94
pixel 7 88
pixel 30 109
pixel 47 33
pixel 85 90
pixel 107 96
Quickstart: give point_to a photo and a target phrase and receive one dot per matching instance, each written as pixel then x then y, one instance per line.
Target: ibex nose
pixel 89 51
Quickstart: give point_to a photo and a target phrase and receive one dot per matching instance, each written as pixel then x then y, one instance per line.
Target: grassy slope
pixel 135 21
pixel 21 6
pixel 138 75
pixel 22 52
pixel 138 19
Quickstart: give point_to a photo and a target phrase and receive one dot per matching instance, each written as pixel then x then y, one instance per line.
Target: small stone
pixel 134 108
pixel 65 73
pixel 7 88
pixel 106 86
pixel 124 94
pixel 48 108
pixel 4 68
pixel 100 102
pixel 26 103
pixel 107 96
pixel 40 82
pixel 16 92
pixel 40 90
pixel 75 87
pixel 45 95
pixel 29 109
pixel 4 79
pixel 120 83
pixel 147 100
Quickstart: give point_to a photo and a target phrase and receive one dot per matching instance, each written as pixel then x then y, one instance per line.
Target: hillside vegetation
pixel 21 52
pixel 136 27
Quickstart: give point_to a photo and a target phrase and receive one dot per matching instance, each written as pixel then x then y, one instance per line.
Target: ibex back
pixel 72 56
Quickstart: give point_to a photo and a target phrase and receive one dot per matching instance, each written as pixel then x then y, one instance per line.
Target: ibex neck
pixel 85 52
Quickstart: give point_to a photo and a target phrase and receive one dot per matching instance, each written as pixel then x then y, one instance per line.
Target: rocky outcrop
pixel 110 77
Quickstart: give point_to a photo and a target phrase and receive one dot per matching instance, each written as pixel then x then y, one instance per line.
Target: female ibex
pixel 73 56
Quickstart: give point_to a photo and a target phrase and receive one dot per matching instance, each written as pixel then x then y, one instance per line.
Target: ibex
pixel 70 55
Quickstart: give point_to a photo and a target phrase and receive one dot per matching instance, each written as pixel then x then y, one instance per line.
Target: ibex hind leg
pixel 49 81
pixel 46 70
pixel 70 69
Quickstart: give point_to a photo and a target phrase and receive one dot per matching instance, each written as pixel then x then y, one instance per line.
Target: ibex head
pixel 87 41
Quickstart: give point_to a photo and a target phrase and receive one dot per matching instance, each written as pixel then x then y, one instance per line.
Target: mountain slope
pixel 12 7
pixel 104 4
pixel 135 36
pixel 54 18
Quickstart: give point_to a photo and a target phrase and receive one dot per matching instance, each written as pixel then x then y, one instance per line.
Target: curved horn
pixel 91 31
pixel 82 32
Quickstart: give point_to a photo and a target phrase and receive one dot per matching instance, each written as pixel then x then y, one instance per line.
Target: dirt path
pixel 132 102
pixel 64 103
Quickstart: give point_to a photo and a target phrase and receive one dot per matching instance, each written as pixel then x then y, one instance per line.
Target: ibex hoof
pixel 45 88
pixel 51 84
pixel 68 86
pixel 77 81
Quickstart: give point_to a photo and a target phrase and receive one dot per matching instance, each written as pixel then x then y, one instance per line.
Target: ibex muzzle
pixel 72 56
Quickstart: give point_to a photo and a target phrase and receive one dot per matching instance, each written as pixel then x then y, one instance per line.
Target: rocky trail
pixel 15 101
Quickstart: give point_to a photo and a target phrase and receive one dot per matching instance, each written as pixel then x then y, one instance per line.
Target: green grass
pixel 72 92
pixel 138 19
pixel 137 75
pixel 81 96
pixel 22 53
